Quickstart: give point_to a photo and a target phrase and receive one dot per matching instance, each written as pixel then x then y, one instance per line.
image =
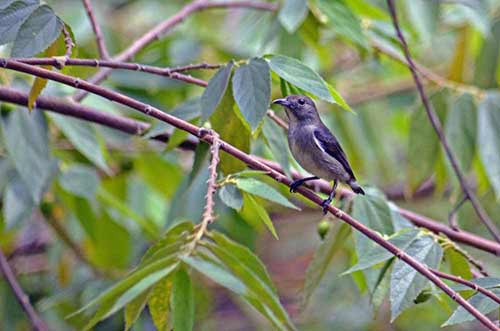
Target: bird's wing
pixel 329 144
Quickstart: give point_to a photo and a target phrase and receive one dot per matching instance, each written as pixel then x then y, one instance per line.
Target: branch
pixel 37 323
pixel 136 127
pixel 173 73
pixel 162 28
pixel 101 46
pixel 208 213
pixel 253 163
pixel 68 42
pixel 436 124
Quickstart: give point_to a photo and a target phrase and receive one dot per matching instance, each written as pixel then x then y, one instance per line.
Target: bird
pixel 315 147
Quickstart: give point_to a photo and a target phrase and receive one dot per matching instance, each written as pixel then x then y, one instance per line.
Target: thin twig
pixel 436 124
pixel 208 213
pixel 174 73
pixel 272 115
pixel 452 216
pixel 162 28
pixel 253 163
pixel 136 127
pixel 101 46
pixel 68 43
pixel 467 283
pixel 37 323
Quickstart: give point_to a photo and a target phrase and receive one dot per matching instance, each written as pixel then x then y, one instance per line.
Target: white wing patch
pixel 318 143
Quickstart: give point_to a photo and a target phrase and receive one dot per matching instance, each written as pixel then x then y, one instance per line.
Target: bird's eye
pixel 302 101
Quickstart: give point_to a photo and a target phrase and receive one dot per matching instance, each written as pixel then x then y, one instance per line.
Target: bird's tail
pixel 356 188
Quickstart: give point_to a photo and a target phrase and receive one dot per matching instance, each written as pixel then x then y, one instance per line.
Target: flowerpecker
pixel 314 147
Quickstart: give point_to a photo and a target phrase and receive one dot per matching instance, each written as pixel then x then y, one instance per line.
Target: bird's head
pixel 299 108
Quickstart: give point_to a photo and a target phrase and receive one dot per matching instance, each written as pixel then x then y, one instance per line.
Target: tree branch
pixel 136 127
pixel 162 28
pixel 253 163
pixel 37 323
pixel 101 46
pixel 436 124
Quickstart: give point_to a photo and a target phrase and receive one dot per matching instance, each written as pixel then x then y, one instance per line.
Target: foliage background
pixel 114 193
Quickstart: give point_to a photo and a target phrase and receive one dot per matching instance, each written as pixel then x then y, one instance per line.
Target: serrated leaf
pixel 300 75
pixel 342 19
pixel 182 301
pixel 406 282
pixel 134 308
pixel 159 303
pixel 214 92
pixel 12 17
pixel 84 137
pixel 257 210
pixel 81 180
pixel 252 90
pixel 277 142
pixel 320 263
pixel 231 196
pixel 256 187
pixel 231 128
pixel 39 31
pixel 292 14
pixel 480 301
pixel 489 138
pixel 26 140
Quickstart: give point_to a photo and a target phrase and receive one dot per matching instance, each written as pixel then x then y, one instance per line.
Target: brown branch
pixel 138 128
pixel 68 42
pixel 208 213
pixel 101 46
pixel 37 323
pixel 467 283
pixel 253 163
pixel 436 124
pixel 174 73
pixel 162 28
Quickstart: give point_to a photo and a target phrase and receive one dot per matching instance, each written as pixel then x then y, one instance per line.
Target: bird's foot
pixel 295 185
pixel 325 205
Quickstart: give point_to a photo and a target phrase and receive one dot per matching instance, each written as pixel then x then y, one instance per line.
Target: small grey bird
pixel 314 147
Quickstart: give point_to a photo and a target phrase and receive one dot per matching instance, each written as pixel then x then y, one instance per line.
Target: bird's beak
pixel 282 102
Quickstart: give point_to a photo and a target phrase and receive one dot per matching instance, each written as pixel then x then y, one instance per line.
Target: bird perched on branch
pixel 314 147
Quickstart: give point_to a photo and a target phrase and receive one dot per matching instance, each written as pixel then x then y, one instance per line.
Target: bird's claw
pixel 294 186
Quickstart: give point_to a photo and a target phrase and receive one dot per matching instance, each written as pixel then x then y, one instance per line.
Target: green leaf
pixel 458 264
pixel 159 303
pixel 256 187
pixel 84 137
pixel 373 211
pixel 12 17
pixel 300 75
pixel 215 91
pixel 480 301
pixel 406 282
pixel 37 33
pixel 485 282
pixel 245 256
pixel 252 90
pixel 292 14
pixel 376 254
pixel 231 128
pixel 176 138
pixel 27 143
pixel 277 142
pixel 461 130
pixel 159 173
pixel 17 202
pixel 231 196
pixel 250 204
pixel 182 301
pixel 343 21
pixel 134 308
pixel 486 64
pixel 489 138
pixel 81 180
pixel 338 98
pixel 424 15
pixel 323 256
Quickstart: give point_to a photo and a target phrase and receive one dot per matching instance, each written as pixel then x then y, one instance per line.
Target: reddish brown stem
pixel 253 163
pixel 101 46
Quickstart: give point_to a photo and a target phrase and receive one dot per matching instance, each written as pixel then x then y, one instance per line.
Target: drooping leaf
pixel 26 140
pixel 253 213
pixel 17 202
pixel 252 90
pixel 159 173
pixel 486 64
pixel 338 98
pixel 256 187
pixel 159 303
pixel 182 301
pixel 300 75
pixel 489 138
pixel 215 91
pixel 480 301
pixel 458 264
pixel 277 142
pixel 134 308
pixel 320 263
pixel 231 128
pixel 343 20
pixel 406 282
pixel 292 14
pixel 12 17
pixel 231 196
pixel 37 32
pixel 84 137
pixel 81 180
